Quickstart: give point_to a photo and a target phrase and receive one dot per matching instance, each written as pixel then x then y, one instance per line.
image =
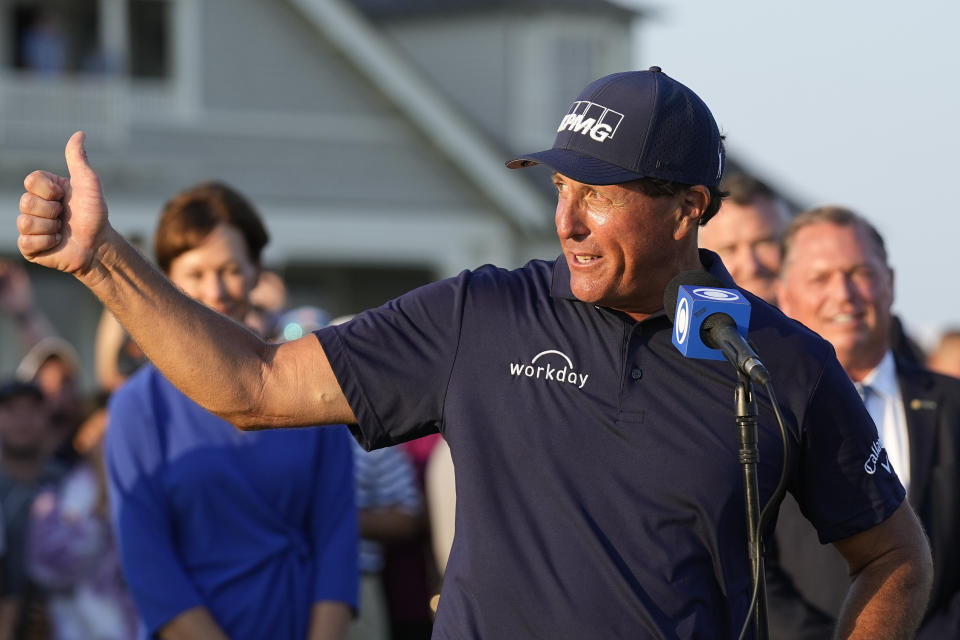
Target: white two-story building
pixel 371 134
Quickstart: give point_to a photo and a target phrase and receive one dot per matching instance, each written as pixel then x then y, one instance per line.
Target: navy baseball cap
pixel 632 125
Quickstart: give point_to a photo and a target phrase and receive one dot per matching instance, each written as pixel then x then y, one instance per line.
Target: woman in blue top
pixel 224 533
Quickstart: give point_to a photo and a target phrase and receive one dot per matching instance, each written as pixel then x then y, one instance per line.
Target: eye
pixel 864 275
pixel 598 196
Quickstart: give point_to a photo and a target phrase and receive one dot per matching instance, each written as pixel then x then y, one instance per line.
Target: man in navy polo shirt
pixel 599 493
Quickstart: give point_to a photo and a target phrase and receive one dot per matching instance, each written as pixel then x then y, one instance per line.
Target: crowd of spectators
pixel 114 499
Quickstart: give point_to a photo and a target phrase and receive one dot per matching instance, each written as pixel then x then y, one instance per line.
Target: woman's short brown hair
pixel 189 217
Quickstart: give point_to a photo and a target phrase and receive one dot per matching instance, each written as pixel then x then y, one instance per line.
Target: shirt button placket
pixel 636 372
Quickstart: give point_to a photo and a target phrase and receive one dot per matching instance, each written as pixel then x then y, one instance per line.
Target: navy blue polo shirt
pixel 598 488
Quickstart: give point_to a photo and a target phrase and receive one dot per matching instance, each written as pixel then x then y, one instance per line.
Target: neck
pixel 859 366
pixel 653 302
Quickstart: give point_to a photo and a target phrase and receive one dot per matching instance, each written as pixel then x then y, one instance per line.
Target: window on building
pixel 149 38
pixel 55 37
pixel 52 37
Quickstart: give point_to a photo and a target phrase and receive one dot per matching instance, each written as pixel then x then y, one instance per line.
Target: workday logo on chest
pixel 550 366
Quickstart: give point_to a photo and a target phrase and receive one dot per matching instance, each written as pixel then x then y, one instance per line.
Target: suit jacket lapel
pixel 921 409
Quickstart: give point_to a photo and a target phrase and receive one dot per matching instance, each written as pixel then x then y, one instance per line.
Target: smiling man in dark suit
pixel 837 281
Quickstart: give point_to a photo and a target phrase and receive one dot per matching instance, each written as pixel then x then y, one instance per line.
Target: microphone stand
pixel 749 455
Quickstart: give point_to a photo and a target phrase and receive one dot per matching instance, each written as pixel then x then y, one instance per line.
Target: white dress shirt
pixel 883 400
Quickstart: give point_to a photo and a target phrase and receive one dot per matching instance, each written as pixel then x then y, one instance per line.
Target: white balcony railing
pixel 37 107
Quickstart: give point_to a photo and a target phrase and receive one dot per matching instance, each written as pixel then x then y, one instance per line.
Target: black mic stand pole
pixel 749 455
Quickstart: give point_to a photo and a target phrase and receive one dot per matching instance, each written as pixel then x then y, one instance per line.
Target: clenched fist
pixel 63 220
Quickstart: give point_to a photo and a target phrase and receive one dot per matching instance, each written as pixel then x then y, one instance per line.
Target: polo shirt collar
pixel 560 285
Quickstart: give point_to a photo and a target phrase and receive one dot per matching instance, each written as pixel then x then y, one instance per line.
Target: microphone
pixel 710 322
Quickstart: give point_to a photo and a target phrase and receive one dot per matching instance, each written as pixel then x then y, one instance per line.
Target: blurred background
pixel 371 134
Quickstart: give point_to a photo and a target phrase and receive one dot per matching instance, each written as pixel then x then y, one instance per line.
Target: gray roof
pixel 412 8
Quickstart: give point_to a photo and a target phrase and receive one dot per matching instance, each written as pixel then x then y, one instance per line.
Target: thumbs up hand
pixel 63 220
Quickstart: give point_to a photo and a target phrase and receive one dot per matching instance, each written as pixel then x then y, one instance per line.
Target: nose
pixel 569 219
pixel 213 289
pixel 747 264
pixel 843 288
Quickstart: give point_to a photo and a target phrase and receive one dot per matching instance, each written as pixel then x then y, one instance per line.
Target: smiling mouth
pixel 846 318
pixel 585 259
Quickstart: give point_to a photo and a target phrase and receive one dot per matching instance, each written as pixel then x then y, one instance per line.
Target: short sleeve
pixel 394 362
pixel 845 484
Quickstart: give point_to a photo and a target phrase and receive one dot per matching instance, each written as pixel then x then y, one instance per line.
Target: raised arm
pixel 891 574
pixel 220 364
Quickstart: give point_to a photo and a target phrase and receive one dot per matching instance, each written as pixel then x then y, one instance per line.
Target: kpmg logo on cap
pixel 590 118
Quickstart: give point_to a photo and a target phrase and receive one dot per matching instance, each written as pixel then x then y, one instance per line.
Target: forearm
pixel 885 602
pixel 214 360
pixel 892 576
pixel 329 621
pixel 386 524
pixel 192 624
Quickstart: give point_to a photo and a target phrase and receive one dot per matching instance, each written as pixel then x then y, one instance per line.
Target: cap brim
pixel 582 168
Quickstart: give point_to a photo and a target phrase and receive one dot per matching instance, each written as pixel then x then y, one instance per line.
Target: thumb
pixel 76 155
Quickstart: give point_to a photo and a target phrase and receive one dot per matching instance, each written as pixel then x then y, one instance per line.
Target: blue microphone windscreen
pixel 696 299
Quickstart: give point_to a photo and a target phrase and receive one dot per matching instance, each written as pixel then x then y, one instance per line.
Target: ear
pixel 694 202
pixel 778 293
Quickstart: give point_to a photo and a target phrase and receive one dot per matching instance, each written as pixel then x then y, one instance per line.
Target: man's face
pixel 747 239
pixel 617 241
pixel 58 383
pixel 23 426
pixel 835 282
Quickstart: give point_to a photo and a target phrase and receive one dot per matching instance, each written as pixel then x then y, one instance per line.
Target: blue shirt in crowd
pixel 254 526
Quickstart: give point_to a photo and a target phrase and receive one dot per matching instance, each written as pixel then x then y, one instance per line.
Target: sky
pixel 848 103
